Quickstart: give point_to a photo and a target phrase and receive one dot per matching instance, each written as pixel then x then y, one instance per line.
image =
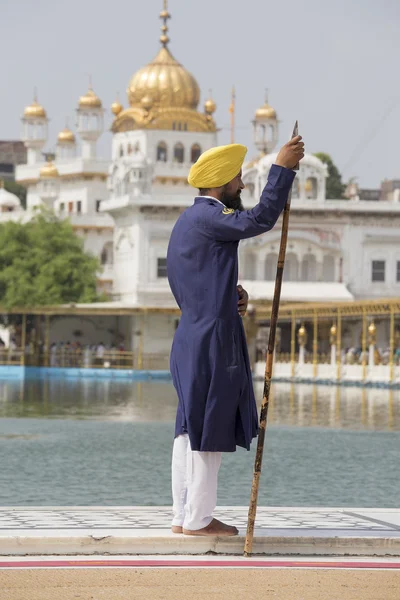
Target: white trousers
pixel 194 484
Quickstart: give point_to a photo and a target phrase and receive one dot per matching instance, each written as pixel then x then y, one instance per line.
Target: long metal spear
pixel 268 371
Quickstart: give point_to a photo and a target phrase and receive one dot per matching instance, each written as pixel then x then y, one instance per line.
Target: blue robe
pixel 209 359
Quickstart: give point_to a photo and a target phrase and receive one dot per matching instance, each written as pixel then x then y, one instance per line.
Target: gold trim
pixel 288 312
pixel 163 118
pixel 305 311
pixel 174 180
pixel 92 227
pixel 73 310
pixel 72 176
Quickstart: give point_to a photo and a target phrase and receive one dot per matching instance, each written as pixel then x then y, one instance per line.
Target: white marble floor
pixel 139 530
pixel 159 517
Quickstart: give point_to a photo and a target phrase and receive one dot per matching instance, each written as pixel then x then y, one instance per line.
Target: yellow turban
pixel 217 166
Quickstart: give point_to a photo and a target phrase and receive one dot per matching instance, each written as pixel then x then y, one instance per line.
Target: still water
pixel 86 442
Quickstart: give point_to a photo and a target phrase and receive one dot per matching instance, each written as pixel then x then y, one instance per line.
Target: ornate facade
pixel 125 208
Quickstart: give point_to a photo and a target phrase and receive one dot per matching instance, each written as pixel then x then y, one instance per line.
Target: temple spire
pixel 164 16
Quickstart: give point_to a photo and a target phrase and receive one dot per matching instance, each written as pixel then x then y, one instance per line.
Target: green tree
pixel 18 190
pixel 334 186
pixel 43 262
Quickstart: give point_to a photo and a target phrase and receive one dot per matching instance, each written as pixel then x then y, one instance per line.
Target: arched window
pixel 270 267
pixel 309 268
pixel 328 268
pixel 121 151
pixel 311 188
pixel 296 189
pixel 129 149
pixel 94 122
pixel 179 153
pixel 249 266
pixel 107 254
pixel 137 147
pixel 195 152
pixel 162 152
pixel 291 270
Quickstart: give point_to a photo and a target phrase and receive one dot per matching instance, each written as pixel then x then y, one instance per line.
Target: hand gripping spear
pixel 268 371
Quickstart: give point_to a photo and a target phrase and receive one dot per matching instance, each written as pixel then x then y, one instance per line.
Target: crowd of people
pixel 76 354
pixel 355 356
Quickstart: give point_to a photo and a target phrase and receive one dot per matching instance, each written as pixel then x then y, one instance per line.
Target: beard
pixel 233 201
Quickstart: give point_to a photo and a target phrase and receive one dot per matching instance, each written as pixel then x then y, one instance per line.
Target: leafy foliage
pixel 334 186
pixel 43 262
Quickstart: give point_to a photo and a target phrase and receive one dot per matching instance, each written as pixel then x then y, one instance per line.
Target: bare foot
pixel 176 529
pixel 214 528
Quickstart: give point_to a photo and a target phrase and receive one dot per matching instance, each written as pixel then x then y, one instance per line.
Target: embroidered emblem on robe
pixel 227 211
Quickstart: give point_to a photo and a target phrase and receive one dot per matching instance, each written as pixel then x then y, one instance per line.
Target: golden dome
pixel 49 171
pixel 209 106
pixel 116 107
pixel 35 110
pixel 166 81
pixel 265 112
pixel 163 95
pixel 90 100
pixel 66 136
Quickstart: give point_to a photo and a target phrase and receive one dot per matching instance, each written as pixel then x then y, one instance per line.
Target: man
pixel 209 359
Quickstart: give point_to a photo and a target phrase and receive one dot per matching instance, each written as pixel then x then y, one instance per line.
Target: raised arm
pixel 226 225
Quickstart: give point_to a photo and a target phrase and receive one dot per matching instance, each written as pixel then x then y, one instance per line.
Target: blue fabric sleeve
pixel 240 225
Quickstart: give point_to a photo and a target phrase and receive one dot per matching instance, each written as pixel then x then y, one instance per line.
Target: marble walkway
pixel 146 530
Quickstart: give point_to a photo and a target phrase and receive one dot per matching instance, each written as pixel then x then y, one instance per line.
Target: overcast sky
pixel 333 65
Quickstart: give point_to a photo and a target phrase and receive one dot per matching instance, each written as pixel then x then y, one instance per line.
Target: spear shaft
pixel 268 372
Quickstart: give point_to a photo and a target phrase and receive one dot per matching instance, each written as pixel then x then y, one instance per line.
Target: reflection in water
pixel 108 442
pixel 303 405
pixel 298 405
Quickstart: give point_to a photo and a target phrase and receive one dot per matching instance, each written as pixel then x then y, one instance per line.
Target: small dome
pixel 146 102
pixel 90 100
pixel 66 136
pixel 116 107
pixel 265 112
pixel 7 199
pixel 209 106
pixel 49 171
pixel 35 110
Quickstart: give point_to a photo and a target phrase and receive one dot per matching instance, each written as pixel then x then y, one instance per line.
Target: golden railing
pixel 72 358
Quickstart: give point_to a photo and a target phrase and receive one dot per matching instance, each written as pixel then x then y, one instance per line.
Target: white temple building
pixel 125 208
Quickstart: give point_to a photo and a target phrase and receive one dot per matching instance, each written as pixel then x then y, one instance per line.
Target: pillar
pixel 293 345
pixel 315 345
pixel 46 340
pixel 302 339
pixel 364 345
pixel 371 342
pixel 391 342
pixel 141 344
pixel 339 345
pixel 23 339
pixel 332 339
